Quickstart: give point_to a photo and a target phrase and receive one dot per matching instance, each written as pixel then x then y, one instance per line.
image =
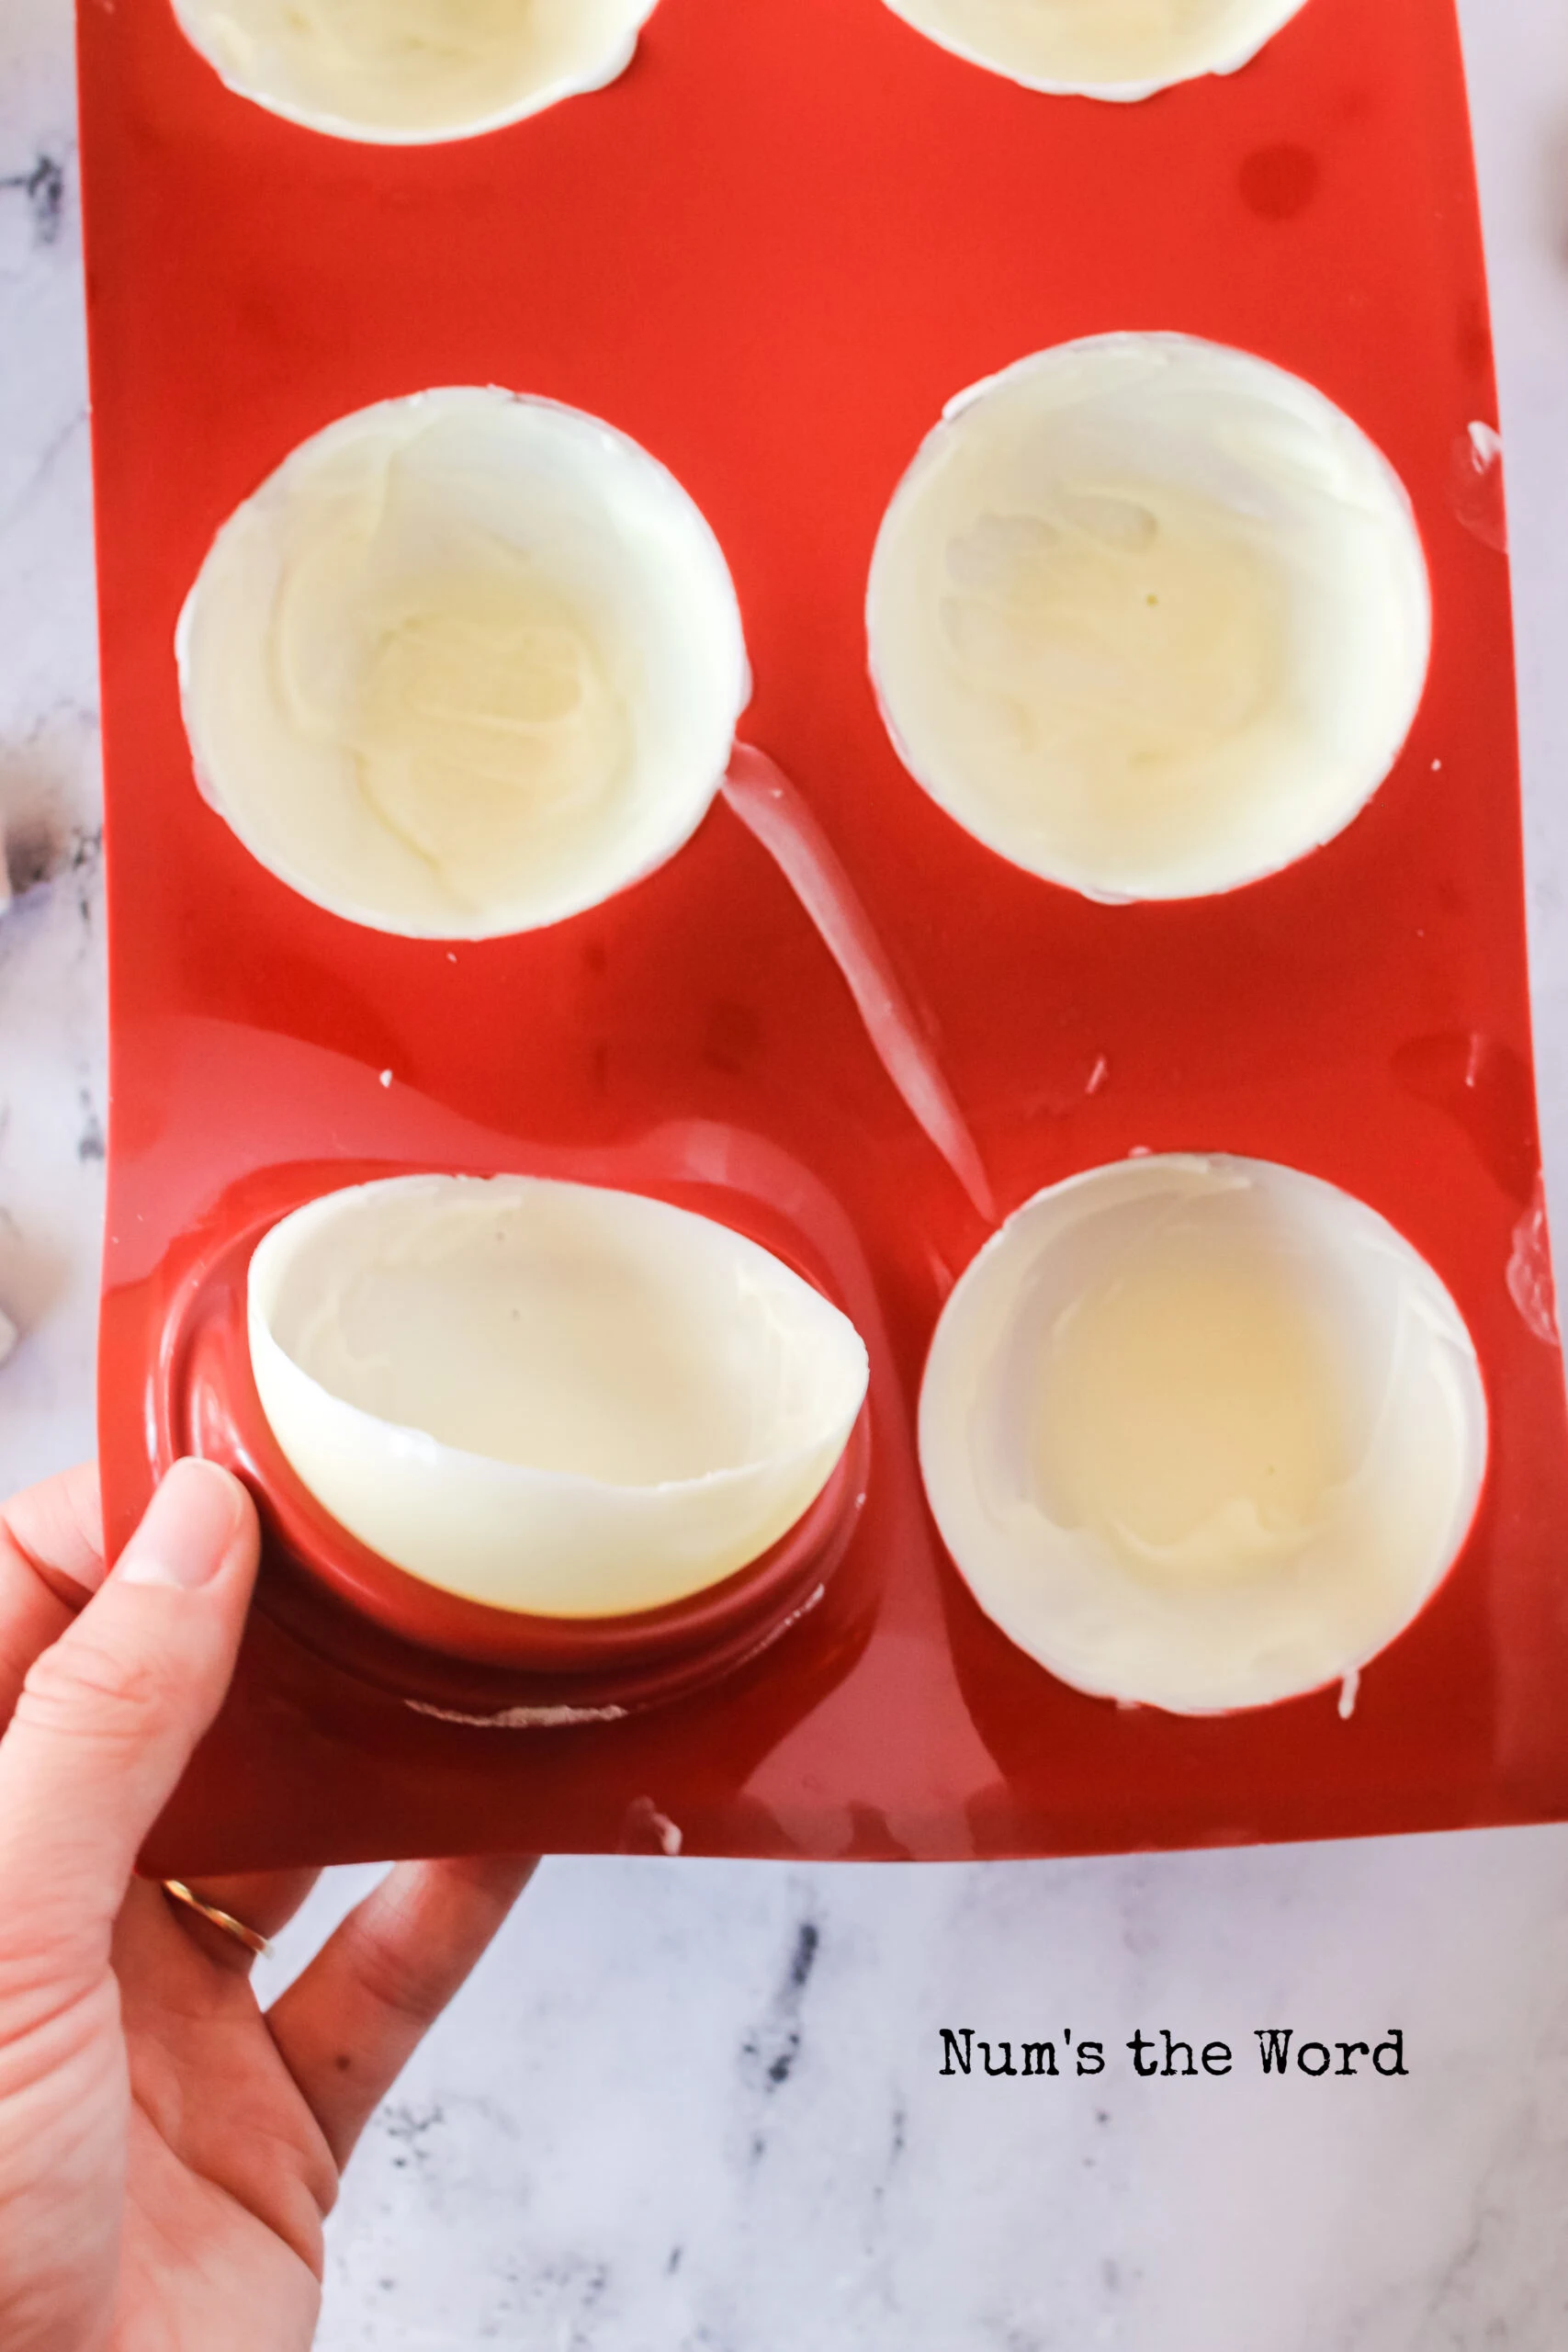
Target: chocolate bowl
pixel 434 1647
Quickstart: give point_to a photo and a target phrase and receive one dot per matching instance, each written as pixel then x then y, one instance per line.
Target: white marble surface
pixel 698 2105
pixel 51 1051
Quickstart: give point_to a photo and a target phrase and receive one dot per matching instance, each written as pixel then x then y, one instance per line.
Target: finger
pixel 106 1721
pixel 264 1901
pixel 347 2027
pixel 51 1557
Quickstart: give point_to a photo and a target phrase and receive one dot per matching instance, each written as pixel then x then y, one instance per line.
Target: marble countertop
pixel 701 2105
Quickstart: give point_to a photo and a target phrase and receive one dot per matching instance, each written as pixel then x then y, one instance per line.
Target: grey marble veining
pixel 51 1044
pixel 702 2107
pixel 698 2108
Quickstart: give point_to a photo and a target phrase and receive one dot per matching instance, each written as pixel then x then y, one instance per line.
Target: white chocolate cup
pixel 1118 50
pixel 413 72
pixel 1201 1434
pixel 464 665
pixel 549 1397
pixel 1148 617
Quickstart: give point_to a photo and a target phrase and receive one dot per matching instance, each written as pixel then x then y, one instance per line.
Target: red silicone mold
pixel 771 254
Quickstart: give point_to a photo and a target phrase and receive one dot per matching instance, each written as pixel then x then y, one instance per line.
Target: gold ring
pixel 257 1946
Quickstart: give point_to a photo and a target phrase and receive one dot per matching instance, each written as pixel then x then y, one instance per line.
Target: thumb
pixel 107 1719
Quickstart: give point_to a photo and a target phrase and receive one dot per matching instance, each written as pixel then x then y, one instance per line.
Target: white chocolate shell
pixel 549 1397
pixel 1122 50
pixel 1201 1434
pixel 410 72
pixel 1149 617
pixel 466 664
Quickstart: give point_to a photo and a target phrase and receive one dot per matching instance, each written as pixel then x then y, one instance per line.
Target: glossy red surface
pixel 771 254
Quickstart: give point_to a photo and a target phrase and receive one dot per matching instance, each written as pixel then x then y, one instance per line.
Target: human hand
pixel 168 2154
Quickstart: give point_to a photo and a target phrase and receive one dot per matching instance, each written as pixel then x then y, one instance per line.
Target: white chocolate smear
pixel 409 71
pixel 1201 1434
pixel 546 1397
pixel 466 664
pixel 1149 617
pixel 773 812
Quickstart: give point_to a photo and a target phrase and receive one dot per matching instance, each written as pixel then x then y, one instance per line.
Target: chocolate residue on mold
pixel 518 1718
pixel 777 816
pixel 1475 485
pixel 1485 1088
pixel 1529 1279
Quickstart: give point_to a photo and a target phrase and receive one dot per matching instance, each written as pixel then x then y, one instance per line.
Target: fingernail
pixel 187 1530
